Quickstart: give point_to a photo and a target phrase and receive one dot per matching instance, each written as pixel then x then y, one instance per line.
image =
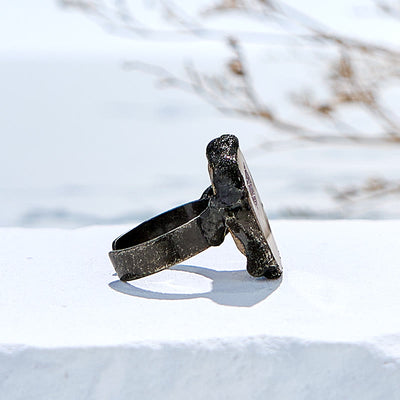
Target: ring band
pixel 165 240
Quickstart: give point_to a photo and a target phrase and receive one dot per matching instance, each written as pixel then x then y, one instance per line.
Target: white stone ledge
pixel 330 329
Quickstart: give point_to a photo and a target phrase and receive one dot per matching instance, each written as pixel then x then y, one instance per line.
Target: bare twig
pixel 370 189
pixel 357 78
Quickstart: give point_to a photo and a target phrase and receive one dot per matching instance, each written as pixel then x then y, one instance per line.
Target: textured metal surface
pixel 231 203
pixel 166 240
pixel 237 200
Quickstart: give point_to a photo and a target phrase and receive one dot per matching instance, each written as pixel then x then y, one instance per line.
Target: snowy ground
pixel 86 142
pixel 329 329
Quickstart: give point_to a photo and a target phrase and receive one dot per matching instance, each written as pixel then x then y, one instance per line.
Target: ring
pixel 231 204
pixel 165 240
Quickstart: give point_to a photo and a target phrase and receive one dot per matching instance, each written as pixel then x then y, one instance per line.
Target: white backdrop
pixel 83 141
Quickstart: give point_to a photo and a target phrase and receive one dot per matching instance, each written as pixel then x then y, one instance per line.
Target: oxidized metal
pixel 236 198
pixel 230 204
pixel 166 240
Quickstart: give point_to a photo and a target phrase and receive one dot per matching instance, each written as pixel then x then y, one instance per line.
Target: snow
pixel 206 329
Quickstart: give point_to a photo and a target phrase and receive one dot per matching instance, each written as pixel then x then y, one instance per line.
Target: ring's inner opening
pixel 161 224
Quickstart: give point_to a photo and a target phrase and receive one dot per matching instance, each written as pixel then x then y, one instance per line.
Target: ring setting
pixel 230 205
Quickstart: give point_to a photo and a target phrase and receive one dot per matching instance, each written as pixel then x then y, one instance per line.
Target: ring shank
pixel 161 242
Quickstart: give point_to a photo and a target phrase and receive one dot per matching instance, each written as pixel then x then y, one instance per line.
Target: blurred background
pixel 106 107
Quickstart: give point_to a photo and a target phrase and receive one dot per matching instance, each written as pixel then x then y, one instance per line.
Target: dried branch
pixel 235 94
pixel 356 77
pixel 370 189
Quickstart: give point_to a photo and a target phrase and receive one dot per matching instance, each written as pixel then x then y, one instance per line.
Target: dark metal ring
pixel 165 240
pixel 231 203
